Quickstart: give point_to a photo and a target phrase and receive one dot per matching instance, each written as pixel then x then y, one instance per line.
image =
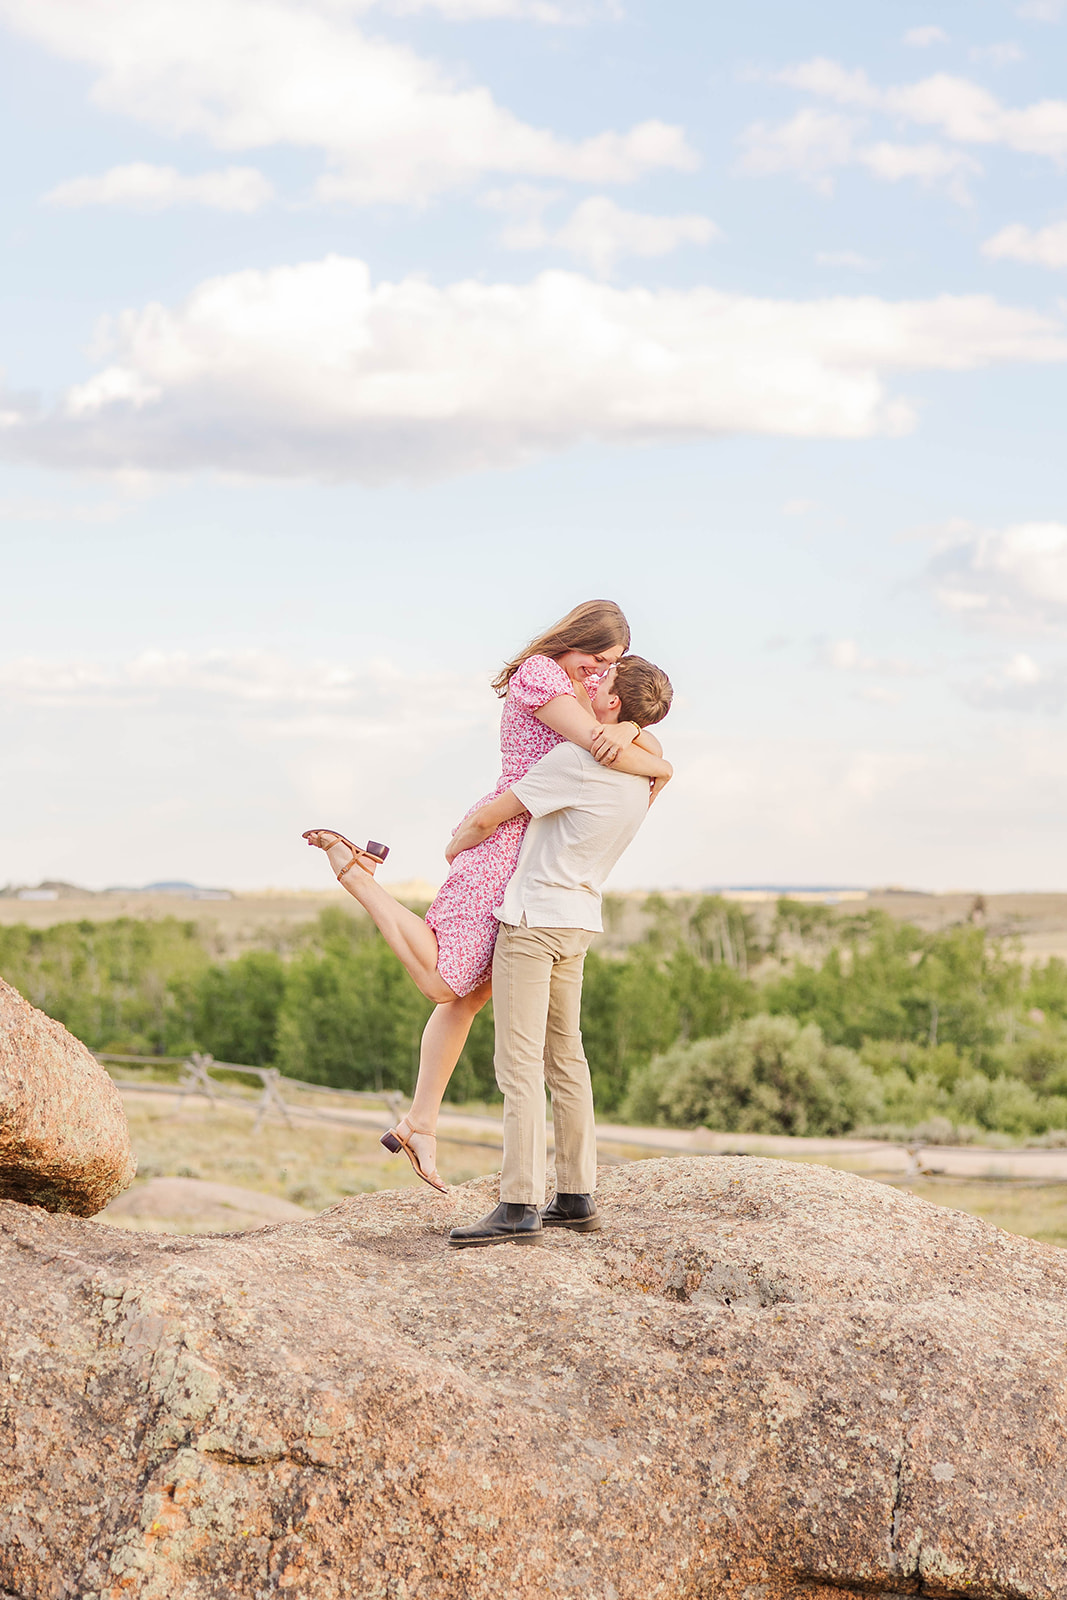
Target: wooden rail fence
pixel 196 1079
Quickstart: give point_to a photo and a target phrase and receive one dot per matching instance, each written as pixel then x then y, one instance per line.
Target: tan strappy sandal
pixel 374 852
pixel 394 1142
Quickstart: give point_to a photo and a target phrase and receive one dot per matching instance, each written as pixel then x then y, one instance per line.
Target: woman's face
pixel 579 664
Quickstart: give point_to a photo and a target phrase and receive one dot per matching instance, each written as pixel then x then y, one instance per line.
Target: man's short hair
pixel 644 690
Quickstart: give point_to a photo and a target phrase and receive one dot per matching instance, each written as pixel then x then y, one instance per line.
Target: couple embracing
pixel 521 904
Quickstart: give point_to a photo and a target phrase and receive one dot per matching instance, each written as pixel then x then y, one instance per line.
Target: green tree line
pixel 875 1023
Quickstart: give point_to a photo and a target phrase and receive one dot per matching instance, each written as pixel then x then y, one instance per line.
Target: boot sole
pixel 497 1238
pixel 577 1225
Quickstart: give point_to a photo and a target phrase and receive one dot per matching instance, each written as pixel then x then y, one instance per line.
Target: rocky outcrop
pixel 193 1205
pixel 760 1381
pixel 64 1143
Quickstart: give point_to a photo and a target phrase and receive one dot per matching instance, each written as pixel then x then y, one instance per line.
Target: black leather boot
pixel 508 1221
pixel 575 1211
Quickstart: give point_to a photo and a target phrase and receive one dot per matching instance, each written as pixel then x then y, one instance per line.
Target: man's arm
pixel 481 823
pixel 619 745
pixel 641 763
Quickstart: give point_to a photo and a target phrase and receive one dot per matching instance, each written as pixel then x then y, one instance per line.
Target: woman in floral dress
pixel 450 953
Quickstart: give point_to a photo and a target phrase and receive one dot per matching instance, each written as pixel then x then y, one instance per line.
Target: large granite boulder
pixel 64 1142
pixel 760 1381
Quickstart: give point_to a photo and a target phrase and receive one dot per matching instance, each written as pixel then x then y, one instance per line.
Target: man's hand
pixel 610 738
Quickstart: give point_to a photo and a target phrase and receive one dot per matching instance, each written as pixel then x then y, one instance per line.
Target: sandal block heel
pixel 374 852
pixel 394 1141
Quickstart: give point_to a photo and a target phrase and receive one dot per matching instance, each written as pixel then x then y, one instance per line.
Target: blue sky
pixel 346 343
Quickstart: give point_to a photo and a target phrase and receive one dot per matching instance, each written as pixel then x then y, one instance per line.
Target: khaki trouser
pixel 537 997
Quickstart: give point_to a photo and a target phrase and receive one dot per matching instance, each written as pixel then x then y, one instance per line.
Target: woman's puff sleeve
pixel 537 681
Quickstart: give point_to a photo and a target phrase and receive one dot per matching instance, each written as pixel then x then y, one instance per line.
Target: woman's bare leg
pixel 443 1039
pixel 406 934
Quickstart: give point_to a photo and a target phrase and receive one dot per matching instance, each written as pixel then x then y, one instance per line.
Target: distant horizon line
pixel 50 889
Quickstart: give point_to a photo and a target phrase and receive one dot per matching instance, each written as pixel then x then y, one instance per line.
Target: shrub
pixel 766 1075
pixel 235 1008
pixel 942 1064
pixel 350 1017
pixel 117 985
pixel 638 1005
pixel 973 1105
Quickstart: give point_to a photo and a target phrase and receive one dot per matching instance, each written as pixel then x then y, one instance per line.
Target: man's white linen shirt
pixel 583 815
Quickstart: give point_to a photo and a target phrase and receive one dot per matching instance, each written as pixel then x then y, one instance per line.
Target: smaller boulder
pixel 64 1140
pixel 192 1205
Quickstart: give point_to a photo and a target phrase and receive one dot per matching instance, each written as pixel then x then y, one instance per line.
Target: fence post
pixel 271 1096
pixel 195 1079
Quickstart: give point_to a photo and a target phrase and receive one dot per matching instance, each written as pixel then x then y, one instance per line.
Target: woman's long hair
pixel 594 626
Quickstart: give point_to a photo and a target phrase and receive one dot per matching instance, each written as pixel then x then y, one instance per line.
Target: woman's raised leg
pixel 405 933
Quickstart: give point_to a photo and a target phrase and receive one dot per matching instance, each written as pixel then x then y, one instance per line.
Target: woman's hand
pixel 610 738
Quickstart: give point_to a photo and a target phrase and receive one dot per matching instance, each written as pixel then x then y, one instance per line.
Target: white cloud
pixel 288 743
pixel 1023 669
pixel 811 144
pixel 798 508
pixel 524 205
pixel 143 187
pixel 374 749
pixel 1019 684
pixel 845 258
pixel 922 38
pixel 815 143
pixel 1012 577
pixel 598 231
pixel 29 509
pixel 829 80
pixel 315 371
pixel 984 806
pixel 845 655
pixel 1044 247
pixel 1041 10
pixel 247 74
pixel 965 112
pixel 564 13
pixel 380 695
pixel 1004 54
pixel 927 162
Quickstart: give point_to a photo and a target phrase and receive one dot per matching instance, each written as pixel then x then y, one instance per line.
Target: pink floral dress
pixel 462 915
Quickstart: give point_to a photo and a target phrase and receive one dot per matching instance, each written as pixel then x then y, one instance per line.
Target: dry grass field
pixel 1037 1212
pixel 311 1165
pixel 1037 921
pixel 229 927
